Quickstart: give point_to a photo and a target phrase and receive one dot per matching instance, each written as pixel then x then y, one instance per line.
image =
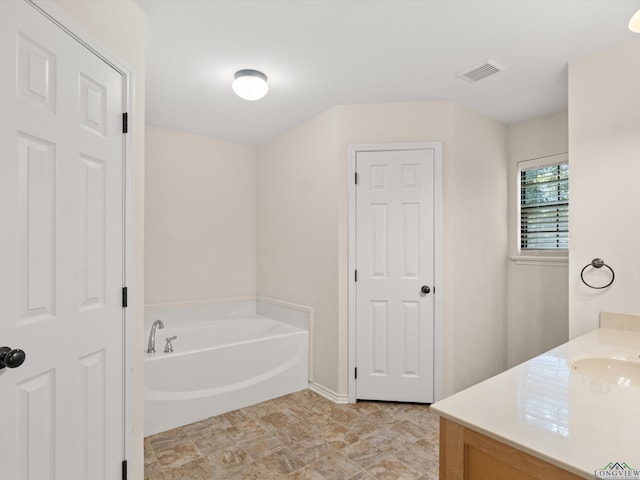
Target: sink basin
pixel 612 370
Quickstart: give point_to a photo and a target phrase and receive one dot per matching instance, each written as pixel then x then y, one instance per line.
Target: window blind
pixel 544 207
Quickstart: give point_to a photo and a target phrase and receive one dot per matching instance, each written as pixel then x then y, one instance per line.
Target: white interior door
pixel 395 260
pixel 61 253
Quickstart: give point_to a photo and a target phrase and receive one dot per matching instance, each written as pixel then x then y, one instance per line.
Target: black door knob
pixel 425 289
pixel 11 358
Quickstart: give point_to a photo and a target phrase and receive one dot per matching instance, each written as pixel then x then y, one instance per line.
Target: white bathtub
pixel 218 366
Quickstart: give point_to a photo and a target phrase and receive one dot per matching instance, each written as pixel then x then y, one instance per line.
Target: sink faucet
pixel 151 348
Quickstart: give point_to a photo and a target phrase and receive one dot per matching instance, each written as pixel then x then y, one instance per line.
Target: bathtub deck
pixel 298 436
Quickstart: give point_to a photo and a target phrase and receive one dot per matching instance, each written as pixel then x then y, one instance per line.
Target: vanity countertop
pixel 544 408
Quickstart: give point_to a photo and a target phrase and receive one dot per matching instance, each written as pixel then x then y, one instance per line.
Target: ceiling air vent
pixel 480 71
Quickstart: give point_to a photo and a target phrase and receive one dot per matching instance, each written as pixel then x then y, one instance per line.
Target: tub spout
pixel 151 348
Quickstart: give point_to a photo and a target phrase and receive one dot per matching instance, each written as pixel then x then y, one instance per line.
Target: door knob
pixel 11 358
pixel 425 289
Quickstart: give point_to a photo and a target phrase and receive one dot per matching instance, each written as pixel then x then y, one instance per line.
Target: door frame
pixel 63 20
pixel 438 260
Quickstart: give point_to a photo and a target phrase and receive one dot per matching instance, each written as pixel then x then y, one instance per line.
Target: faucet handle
pixel 168 348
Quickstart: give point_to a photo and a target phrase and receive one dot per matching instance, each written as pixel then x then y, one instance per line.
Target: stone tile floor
pixel 301 436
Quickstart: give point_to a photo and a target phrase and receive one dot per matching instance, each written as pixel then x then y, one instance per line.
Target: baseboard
pixel 329 394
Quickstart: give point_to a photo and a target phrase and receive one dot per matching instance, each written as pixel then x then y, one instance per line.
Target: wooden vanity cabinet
pixel 468 455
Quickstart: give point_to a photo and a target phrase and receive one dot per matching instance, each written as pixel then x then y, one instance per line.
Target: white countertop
pixel 544 408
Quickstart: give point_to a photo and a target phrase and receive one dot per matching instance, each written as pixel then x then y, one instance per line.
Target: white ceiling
pixel 322 53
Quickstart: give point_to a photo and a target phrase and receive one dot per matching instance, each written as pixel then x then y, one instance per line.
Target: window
pixel 544 206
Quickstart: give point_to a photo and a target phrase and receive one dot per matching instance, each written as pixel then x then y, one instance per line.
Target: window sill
pixel 557 261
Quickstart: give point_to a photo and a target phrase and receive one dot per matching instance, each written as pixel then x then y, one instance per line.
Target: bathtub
pixel 220 365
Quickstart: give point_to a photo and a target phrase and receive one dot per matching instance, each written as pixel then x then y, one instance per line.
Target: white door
pixel 61 253
pixel 395 260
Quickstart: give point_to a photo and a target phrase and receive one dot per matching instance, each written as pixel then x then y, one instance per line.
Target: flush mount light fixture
pixel 250 84
pixel 634 23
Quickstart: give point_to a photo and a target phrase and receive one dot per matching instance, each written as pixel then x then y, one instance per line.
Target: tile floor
pixel 301 436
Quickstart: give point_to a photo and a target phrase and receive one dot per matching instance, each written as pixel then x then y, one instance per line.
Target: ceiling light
pixel 634 23
pixel 250 84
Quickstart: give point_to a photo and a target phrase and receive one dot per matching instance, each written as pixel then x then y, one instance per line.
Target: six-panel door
pixel 61 253
pixel 395 259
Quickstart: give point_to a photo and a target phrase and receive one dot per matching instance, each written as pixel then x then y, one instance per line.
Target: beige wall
pixel 200 222
pixel 537 294
pixel 604 145
pixel 476 256
pixel 303 228
pixel 297 231
pixel 474 270
pixel 380 123
pixel 119 29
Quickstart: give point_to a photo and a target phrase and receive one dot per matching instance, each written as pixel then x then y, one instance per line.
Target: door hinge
pixel 125 122
pixel 355 276
pixel 355 373
pixel 355 177
pixel 124 297
pixel 124 470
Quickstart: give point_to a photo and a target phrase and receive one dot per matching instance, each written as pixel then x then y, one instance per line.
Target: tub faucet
pixel 151 348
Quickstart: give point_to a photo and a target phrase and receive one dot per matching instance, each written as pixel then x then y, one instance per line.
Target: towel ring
pixel 597 263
